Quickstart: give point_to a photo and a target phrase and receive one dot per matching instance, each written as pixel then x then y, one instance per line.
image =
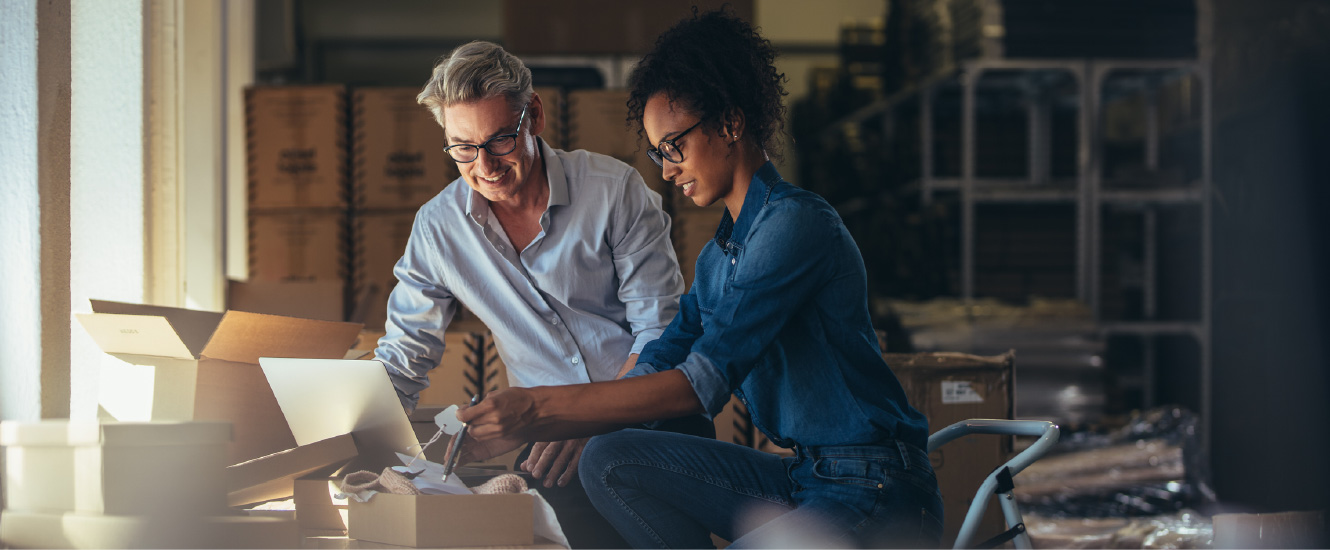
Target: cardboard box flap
pixel 273 476
pixel 193 327
pixel 243 337
pixel 948 360
pixel 134 335
pixel 113 434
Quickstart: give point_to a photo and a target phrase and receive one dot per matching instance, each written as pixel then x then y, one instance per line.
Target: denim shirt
pixel 778 316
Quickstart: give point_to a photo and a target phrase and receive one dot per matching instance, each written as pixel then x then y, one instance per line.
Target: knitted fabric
pixel 387 482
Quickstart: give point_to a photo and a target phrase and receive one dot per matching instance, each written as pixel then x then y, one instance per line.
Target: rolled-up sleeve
pixel 649 279
pixel 419 310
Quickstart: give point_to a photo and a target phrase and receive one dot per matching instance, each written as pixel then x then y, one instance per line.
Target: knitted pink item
pixel 506 483
pixel 387 482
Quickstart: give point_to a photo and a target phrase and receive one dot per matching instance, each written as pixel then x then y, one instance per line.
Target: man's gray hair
pixel 473 72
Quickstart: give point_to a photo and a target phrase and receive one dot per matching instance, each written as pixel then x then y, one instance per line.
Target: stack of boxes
pixel 398 165
pixel 298 192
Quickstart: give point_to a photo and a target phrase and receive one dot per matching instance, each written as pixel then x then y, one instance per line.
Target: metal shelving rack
pixel 1088 190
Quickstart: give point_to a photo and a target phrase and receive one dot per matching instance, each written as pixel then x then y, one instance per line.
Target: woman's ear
pixel 732 125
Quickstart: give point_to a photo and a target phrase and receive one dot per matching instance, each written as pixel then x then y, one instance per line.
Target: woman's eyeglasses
pixel 668 150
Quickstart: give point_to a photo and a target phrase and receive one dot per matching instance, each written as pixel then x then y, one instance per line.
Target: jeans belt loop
pixel 905 453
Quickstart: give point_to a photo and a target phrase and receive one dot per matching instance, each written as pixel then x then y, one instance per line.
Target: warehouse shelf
pixel 1097 81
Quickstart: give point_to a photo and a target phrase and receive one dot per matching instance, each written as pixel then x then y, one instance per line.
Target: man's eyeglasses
pixel 667 149
pixel 496 146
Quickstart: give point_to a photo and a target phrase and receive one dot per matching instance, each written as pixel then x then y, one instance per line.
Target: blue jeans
pixel 666 490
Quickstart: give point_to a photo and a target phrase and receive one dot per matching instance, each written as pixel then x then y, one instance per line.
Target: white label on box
pixel 959 391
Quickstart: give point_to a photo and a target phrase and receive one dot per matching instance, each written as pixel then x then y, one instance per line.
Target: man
pixel 565 256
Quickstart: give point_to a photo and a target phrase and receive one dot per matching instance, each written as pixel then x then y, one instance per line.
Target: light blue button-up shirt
pixel 598 282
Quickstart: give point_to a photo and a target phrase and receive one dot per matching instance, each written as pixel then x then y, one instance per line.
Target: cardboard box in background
pixel 556 114
pixel 296 143
pixel 736 426
pixel 20 529
pixel 274 476
pixel 379 241
pixel 470 366
pixel 324 300
pixel 433 521
pixel 597 122
pixel 179 364
pixel 597 26
pixel 303 245
pixel 142 469
pixel 398 159
pixel 948 388
pixel 690 231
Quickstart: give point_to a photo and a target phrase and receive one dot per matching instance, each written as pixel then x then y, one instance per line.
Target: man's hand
pixel 555 461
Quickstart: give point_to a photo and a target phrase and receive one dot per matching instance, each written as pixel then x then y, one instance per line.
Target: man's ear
pixel 536 112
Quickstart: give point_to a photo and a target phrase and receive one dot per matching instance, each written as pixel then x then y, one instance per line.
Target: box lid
pixel 948 360
pixel 273 476
pixel 113 434
pixel 243 337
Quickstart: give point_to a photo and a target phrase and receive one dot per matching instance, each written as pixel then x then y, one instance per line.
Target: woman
pixel 777 315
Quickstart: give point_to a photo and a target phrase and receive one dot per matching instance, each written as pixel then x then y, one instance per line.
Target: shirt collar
pixel 733 232
pixel 478 209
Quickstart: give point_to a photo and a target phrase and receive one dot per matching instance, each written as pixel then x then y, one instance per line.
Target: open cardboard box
pixel 181 364
pixel 274 476
pixel 430 521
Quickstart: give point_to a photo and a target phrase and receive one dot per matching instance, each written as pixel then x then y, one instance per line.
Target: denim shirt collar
pixel 731 234
pixel 478 209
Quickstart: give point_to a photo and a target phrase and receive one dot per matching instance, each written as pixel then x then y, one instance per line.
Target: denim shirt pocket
pixel 733 255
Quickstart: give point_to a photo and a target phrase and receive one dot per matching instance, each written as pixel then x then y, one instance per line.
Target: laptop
pixel 323 398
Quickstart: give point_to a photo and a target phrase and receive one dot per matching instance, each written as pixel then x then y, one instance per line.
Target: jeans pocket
pixel 849 471
pixel 930 529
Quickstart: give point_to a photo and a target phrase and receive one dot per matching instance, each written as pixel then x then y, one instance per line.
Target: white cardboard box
pixel 151 468
pixel 72 530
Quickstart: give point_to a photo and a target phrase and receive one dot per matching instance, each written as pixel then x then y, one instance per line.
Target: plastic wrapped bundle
pixel 1148 467
pixel 1184 529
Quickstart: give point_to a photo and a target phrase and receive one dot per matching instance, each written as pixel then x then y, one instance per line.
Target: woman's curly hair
pixel 712 64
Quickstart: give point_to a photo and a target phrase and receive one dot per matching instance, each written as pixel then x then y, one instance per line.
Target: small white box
pixel 129 468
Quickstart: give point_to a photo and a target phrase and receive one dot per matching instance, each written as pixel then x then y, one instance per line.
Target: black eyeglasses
pixel 496 146
pixel 668 150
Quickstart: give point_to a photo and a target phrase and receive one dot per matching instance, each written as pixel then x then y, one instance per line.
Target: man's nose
pixel 485 160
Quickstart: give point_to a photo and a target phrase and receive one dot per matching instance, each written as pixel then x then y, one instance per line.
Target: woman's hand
pixel 509 414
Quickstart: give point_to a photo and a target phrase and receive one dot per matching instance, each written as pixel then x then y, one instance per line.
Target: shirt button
pixel 576 360
pixel 732 260
pixel 554 320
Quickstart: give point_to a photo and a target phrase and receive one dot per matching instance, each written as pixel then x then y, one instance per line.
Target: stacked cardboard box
pixel 296 140
pixel 691 230
pixel 556 115
pixel 948 388
pixel 124 485
pixel 598 122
